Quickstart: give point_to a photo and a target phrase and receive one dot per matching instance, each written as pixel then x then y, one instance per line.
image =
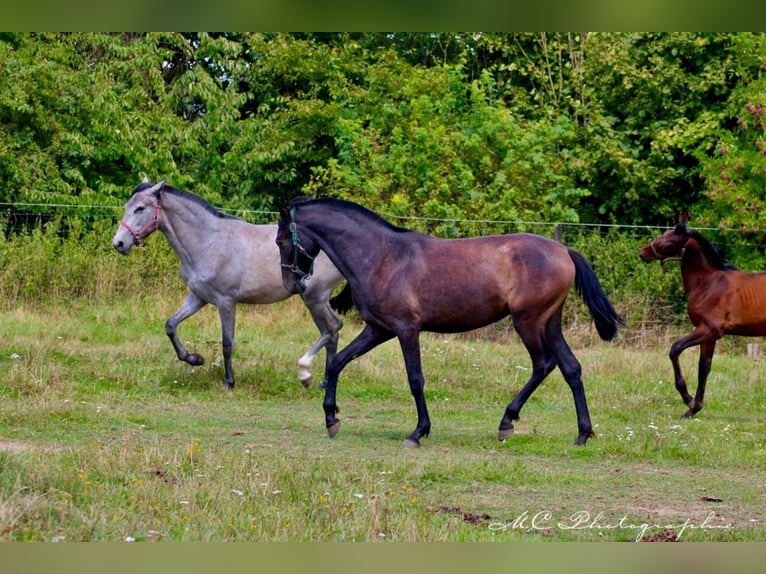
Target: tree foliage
pixel 594 127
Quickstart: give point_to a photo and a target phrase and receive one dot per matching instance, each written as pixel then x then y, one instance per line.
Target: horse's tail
pixel 343 302
pixel 588 287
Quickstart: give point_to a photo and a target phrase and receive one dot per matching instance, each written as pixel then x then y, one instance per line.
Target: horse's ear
pixel 157 187
pixel 684 217
pixel 284 214
pixel 145 180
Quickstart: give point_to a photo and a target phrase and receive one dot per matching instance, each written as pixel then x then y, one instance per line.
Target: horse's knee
pixel 675 351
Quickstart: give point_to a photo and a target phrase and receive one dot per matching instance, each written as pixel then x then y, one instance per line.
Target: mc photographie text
pixel 545 520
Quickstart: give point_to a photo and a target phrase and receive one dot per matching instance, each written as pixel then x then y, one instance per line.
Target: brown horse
pixel 404 282
pixel 721 301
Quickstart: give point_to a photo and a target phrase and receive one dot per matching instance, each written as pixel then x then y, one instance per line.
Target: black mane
pixel 715 258
pixel 185 195
pixel 343 205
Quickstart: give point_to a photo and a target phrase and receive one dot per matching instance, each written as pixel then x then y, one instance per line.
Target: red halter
pixel 146 229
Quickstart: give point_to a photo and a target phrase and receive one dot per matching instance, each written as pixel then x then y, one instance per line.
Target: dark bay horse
pixel 404 282
pixel 225 261
pixel 721 301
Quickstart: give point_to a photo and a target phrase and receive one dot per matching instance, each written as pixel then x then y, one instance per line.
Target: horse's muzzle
pixel 121 247
pixel 646 256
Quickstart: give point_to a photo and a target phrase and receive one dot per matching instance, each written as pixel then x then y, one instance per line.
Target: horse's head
pixel 296 252
pixel 141 218
pixel 667 247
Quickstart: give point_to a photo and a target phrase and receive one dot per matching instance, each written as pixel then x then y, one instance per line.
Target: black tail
pixel 343 302
pixel 588 287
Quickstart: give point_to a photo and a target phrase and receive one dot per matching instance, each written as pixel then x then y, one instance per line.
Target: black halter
pixel 298 248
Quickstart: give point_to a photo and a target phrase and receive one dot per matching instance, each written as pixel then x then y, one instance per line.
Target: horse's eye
pixel 139 209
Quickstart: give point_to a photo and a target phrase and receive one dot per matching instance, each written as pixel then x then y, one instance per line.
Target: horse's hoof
pixel 306 382
pixel 583 437
pixel 693 410
pixel 227 386
pixel 410 442
pixel 332 430
pixel 503 434
pixel 195 360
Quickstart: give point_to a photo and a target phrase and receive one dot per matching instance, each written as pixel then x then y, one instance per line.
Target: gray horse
pixel 225 261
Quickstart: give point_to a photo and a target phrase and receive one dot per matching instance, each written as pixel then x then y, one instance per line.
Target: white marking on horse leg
pixel 304 364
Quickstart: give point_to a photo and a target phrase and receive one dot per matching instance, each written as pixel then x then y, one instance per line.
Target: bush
pixel 67 260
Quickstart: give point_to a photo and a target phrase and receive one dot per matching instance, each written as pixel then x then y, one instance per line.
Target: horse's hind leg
pixel 191 305
pixel 572 372
pixel 542 364
pixel 329 325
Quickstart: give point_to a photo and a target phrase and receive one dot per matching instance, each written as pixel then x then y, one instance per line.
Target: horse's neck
pixel 696 268
pixel 340 235
pixel 186 225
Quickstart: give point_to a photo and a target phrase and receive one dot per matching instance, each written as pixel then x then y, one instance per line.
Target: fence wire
pixel 24 217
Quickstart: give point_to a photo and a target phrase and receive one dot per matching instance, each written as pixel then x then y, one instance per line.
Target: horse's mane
pixel 709 251
pixel 185 195
pixel 343 205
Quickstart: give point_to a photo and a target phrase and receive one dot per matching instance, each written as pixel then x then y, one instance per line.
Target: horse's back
pixel 457 284
pixel 729 302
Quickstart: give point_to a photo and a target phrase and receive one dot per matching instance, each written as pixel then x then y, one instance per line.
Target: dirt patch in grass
pixel 20 446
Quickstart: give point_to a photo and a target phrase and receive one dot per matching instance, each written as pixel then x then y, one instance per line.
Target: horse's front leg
pixel 227 312
pixel 696 337
pixel 191 305
pixel 707 348
pixel 410 344
pixel 369 338
pixel 329 325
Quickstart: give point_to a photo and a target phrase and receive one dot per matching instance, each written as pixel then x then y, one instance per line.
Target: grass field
pixel 106 436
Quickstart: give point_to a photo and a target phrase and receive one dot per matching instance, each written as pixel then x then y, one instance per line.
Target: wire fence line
pixel 111 211
pixel 23 216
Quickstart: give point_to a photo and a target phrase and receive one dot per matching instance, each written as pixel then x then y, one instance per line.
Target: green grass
pixel 105 435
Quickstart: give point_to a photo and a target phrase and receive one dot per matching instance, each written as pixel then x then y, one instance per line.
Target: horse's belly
pixel 461 322
pixel 750 329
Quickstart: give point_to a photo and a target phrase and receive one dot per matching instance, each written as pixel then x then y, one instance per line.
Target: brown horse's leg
pixel 410 344
pixel 542 364
pixel 572 372
pixel 368 339
pixel 707 348
pixel 696 337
